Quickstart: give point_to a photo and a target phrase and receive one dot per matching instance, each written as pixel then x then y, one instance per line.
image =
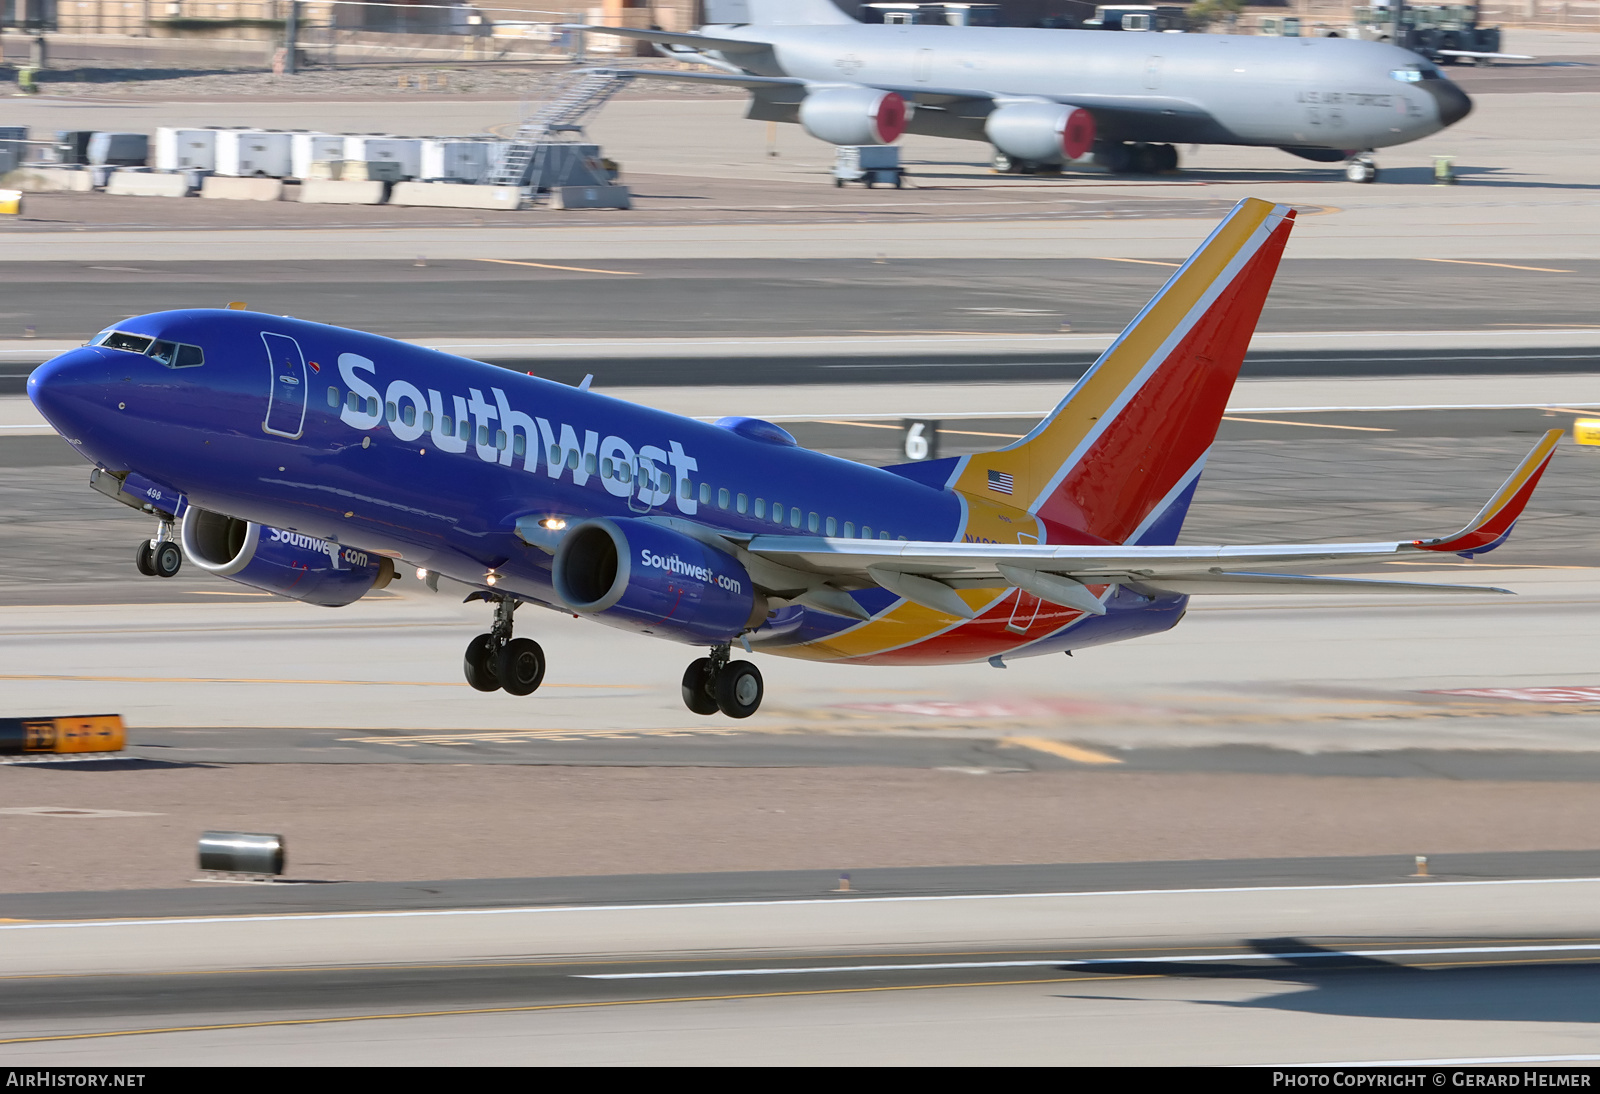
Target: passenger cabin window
pixel 464 430
pixel 794 518
pixel 722 498
pixel 686 490
pixel 354 401
pixel 427 421
pixel 591 461
pixel 866 531
pixel 501 440
pixel 372 406
pixel 742 503
pixel 811 523
pixel 831 528
pixel 705 493
pixel 390 412
pixel 849 530
pixel 519 447
pixel 777 513
pixel 409 415
pixel 761 507
pixel 333 398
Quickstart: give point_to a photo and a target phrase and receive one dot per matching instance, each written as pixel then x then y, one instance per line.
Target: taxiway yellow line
pixel 1141 261
pixel 1076 753
pixel 1497 265
pixel 534 1008
pixel 1306 425
pixel 570 269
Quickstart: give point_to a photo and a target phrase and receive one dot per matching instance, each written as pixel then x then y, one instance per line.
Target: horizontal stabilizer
pixel 674 38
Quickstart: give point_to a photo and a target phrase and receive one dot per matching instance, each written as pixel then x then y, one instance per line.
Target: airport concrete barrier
pixel 148 185
pixel 449 195
pixel 42 180
pixel 229 188
pixel 341 192
pixel 590 197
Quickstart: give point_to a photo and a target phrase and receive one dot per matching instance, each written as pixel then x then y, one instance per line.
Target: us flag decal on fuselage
pixel 1000 482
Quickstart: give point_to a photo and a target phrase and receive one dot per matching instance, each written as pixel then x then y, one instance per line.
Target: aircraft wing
pixel 931 573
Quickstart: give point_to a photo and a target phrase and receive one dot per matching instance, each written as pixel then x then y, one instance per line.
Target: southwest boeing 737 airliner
pixel 307 460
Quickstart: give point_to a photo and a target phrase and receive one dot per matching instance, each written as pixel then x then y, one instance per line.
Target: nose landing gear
pixel 498 662
pixel 161 556
pixel 715 683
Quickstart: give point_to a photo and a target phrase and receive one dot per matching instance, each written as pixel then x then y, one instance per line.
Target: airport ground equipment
pixel 453 159
pixel 10 202
pixel 378 148
pixel 1443 33
pixel 180 149
pixel 73 734
pixel 869 164
pixel 306 149
pixel 118 149
pixel 258 854
pixel 524 161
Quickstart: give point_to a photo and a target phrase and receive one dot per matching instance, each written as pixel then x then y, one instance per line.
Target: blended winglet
pixel 1494 521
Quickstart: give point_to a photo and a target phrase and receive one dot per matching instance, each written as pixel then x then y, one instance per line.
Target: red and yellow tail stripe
pixel 1143 417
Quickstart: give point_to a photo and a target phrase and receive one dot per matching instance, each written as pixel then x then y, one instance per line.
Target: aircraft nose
pixel 1452 101
pixel 66 385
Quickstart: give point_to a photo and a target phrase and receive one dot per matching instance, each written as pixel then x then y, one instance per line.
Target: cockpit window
pixel 171 354
pixel 116 339
pixel 1416 74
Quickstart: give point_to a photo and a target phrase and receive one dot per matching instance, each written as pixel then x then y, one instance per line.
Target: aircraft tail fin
pixel 775 13
pixel 1120 457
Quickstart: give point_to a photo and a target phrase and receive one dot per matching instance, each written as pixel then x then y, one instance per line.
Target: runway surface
pixel 1404 969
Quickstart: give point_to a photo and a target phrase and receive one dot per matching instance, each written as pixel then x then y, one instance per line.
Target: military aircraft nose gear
pixel 496 661
pixel 715 683
pixel 161 556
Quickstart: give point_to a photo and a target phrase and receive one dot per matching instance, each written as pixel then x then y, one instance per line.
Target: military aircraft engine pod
pixel 1041 132
pixel 241 852
pixel 641 573
pixel 287 563
pixel 854 115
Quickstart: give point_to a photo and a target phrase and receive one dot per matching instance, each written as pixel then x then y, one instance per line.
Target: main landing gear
pixel 498 662
pixel 161 556
pixel 715 683
pixel 1361 169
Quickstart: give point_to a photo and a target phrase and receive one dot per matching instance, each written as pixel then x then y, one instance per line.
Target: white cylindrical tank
pixel 308 148
pixel 186 149
pixel 246 152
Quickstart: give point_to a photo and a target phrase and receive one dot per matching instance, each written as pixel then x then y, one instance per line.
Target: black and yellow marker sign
pixel 80 733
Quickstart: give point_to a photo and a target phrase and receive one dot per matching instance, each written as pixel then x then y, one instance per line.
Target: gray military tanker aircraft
pixel 1045 97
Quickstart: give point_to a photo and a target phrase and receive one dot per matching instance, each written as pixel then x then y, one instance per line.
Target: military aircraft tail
pixel 1121 455
pixel 775 13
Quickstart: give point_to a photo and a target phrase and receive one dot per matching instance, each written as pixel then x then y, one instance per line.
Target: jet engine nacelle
pixel 853 115
pixel 1040 132
pixel 662 580
pixel 287 563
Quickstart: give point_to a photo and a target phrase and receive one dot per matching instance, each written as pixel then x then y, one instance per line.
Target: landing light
pixel 554 524
pixel 491 579
pixel 422 575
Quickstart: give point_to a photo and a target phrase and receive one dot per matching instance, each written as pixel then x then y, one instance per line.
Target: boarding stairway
pixel 578 96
